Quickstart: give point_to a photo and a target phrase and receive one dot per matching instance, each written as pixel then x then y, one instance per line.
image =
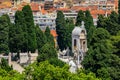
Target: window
pixel 75 42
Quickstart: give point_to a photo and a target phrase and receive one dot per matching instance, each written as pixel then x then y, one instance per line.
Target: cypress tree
pixel 18 34
pixel 40 37
pixel 49 37
pixel 20 25
pixel 12 39
pixel 89 26
pixel 69 28
pixel 4 34
pixel 61 30
pixel 32 43
pixel 88 20
pixel 80 18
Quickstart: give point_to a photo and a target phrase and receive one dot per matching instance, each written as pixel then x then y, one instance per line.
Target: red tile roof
pixel 34 6
pixel 53 33
pixel 43 11
pixel 5 4
pixel 63 9
pixel 78 8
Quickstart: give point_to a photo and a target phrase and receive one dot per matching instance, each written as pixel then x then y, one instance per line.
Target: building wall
pixel 28 1
pixel 45 21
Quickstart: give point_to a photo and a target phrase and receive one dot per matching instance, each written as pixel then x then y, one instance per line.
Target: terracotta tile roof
pixel 78 8
pixel 14 8
pixel 53 33
pixel 63 9
pixel 43 11
pixel 96 12
pixel 94 16
pixel 34 6
pixel 108 12
pixel 7 3
pixel 2 6
pixel 93 7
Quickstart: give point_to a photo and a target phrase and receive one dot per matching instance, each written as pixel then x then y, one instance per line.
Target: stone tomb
pixel 79 42
pixel 23 58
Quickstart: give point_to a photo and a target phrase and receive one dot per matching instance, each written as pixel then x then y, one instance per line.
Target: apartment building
pixel 45 21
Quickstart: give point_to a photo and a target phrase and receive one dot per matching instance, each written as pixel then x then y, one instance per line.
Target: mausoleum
pixel 79 42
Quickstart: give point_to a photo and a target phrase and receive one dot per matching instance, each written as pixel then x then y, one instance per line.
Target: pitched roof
pixel 78 8
pixel 53 33
pixel 63 9
pixel 34 6
pixel 43 11
pixel 7 3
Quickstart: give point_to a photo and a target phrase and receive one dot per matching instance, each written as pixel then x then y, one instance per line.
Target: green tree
pixel 80 18
pixel 88 20
pixel 21 26
pixel 11 75
pixel 41 38
pixel 4 34
pixel 115 40
pixel 112 24
pixel 49 37
pixel 99 58
pixel 56 62
pixel 47 51
pixel 114 17
pixel 32 43
pixel 46 71
pixel 101 23
pixel 61 30
pixel 18 34
pixel 113 28
pixel 89 26
pixel 12 39
pixel 109 23
pixel 4 65
pixel 69 28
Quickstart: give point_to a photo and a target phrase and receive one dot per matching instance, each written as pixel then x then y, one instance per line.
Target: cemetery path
pixel 17 67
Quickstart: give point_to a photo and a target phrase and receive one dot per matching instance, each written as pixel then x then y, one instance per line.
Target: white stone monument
pixel 73 66
pixel 23 58
pixel 79 42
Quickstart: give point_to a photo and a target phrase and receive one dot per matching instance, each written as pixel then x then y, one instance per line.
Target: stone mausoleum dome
pixel 78 29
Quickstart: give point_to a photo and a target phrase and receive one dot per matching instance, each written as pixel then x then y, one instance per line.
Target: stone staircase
pixel 17 67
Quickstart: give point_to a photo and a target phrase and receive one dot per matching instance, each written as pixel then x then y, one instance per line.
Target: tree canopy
pixel 49 37
pixel 4 34
pixel 47 51
pixel 99 58
pixel 45 70
pixel 60 29
pixel 32 46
